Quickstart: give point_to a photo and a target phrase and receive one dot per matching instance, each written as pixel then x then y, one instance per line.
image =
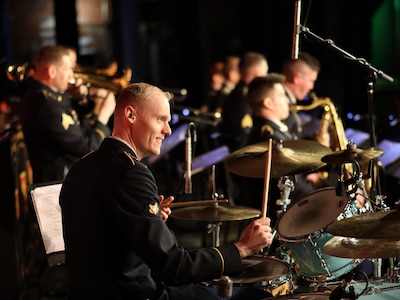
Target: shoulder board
pixel 50 95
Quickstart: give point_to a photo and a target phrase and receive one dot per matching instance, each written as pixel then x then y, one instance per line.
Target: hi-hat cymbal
pixel 288 158
pixel 362 248
pixel 377 225
pixel 352 153
pixel 215 213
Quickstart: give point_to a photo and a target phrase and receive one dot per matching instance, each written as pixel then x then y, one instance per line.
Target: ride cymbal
pixel 376 225
pixel 352 153
pixel 288 158
pixel 346 247
pixel 215 213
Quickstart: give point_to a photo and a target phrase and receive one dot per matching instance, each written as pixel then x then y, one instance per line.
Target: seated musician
pixel 117 243
pixel 270 106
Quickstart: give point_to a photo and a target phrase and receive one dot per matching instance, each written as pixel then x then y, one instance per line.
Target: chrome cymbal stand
pixel 214 227
pixel 286 186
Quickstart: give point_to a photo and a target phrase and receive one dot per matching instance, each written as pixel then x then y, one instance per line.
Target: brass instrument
pixel 329 117
pixel 101 81
pixel 22 72
pixel 332 126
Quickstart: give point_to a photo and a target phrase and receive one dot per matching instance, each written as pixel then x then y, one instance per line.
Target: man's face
pixel 280 102
pixel 305 81
pixel 63 74
pixel 152 125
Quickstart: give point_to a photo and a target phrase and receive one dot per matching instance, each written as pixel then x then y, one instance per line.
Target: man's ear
pixel 131 113
pixel 267 101
pixel 52 71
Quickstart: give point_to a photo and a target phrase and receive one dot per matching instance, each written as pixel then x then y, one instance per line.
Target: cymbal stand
pixel 214 227
pixel 370 205
pixel 286 186
pixel 393 271
pixel 373 74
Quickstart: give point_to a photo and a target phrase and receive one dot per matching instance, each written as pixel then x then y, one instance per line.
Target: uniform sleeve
pixel 136 209
pixel 68 134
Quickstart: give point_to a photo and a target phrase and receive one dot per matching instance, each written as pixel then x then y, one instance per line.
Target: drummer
pixel 270 106
pixel 117 243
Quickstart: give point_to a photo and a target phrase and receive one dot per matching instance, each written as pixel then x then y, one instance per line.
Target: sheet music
pixel 48 212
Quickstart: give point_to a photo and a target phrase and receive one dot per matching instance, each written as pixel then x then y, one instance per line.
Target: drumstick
pixel 266 180
pixel 192 203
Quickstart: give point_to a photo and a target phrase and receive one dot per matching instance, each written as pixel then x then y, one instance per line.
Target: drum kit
pixel 323 236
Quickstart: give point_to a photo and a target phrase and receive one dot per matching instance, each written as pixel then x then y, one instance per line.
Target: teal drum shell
pixel 312 264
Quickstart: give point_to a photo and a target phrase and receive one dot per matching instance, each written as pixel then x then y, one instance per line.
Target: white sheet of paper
pixel 48 212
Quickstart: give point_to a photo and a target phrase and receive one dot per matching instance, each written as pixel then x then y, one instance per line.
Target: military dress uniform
pixel 56 137
pixel 236 118
pixel 234 130
pixel 117 245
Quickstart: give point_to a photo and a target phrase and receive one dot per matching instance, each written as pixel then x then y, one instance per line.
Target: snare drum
pixel 270 273
pixel 301 231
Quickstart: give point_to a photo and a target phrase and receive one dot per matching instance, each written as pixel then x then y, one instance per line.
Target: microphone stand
pixel 373 74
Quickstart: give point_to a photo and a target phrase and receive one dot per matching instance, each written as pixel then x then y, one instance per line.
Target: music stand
pixel 45 199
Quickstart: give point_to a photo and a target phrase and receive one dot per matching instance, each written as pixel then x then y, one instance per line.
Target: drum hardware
pixel 214 227
pixel 288 158
pixel 225 287
pixel 393 271
pixel 375 290
pixel 286 186
pixel 318 252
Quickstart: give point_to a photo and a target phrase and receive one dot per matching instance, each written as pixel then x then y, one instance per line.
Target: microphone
pixel 188 158
pixel 340 190
pixel 296 29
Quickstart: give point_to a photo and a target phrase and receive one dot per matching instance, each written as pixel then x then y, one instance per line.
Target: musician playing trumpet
pixel 55 134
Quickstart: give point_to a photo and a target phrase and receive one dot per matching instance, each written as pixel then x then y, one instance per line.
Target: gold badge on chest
pixel 154 209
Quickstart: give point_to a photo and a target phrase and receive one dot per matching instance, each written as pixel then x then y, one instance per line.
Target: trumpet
pixel 115 85
pixel 22 72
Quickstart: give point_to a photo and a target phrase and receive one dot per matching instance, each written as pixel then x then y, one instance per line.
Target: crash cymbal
pixel 376 225
pixel 352 153
pixel 215 213
pixel 288 158
pixel 362 248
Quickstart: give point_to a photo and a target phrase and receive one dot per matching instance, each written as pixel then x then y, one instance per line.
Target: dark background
pixel 171 43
